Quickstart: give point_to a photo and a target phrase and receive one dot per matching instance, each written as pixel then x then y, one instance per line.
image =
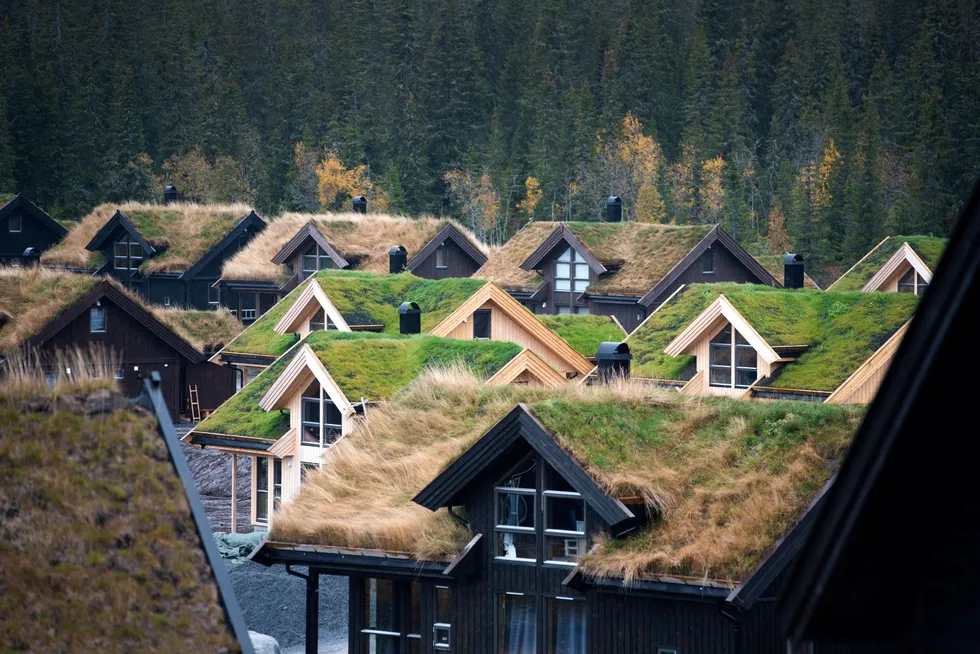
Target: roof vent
pixel 409 318
pixel 31 253
pixel 613 361
pixel 614 209
pixel 169 194
pixel 397 259
pixel 793 271
pixel 360 204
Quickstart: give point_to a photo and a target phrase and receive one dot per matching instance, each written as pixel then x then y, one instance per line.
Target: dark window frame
pixel 20 223
pixel 707 261
pixel 487 316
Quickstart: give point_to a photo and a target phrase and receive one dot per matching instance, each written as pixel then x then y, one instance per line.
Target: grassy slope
pixel 584 333
pixel 842 329
pixel 375 366
pixel 99 551
pixel 241 414
pixel 929 248
pixel 206 330
pixel 363 299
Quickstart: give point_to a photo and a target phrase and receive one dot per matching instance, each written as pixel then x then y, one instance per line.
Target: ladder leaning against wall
pixel 195 403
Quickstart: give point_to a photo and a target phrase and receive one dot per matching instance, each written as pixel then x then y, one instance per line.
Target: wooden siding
pixel 727 269
pixel 702 350
pixel 33 234
pixel 629 315
pixel 458 264
pixel 862 386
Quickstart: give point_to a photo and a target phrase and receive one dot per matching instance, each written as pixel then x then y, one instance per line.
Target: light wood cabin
pixel 904 272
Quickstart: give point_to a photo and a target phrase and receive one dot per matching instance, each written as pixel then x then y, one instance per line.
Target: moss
pixel 100 550
pixel 33 297
pixel 584 333
pixel 363 299
pixel 929 248
pixel 5 198
pixel 206 330
pixel 841 329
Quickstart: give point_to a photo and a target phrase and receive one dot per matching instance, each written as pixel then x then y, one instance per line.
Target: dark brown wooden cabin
pixel 528 603
pixel 891 563
pixel 26 231
pixel 193 287
pixel 109 317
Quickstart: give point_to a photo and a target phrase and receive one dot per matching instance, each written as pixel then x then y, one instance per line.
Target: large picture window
pixel 913 283
pixel 571 272
pixel 733 361
pixel 516 504
pixel 322 422
pixel 566 625
pixel 517 623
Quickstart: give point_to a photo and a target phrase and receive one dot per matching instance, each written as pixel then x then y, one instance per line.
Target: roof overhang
pixel 350 561
pixel 20 202
pixel 665 587
pixel 528 362
pixel 300 373
pixel 118 221
pixel 720 309
pixel 452 233
pixel 310 300
pixel 251 219
pixel 904 254
pixel 562 234
pixel 307 232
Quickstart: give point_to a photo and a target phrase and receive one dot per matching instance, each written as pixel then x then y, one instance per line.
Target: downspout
pixel 736 629
pixel 458 518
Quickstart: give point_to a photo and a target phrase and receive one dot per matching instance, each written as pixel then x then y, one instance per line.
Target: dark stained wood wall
pixel 727 269
pixel 458 264
pixel 33 234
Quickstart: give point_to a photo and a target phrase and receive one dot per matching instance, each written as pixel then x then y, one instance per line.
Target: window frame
pixel 708 256
pixel 573 282
pixel 916 287
pixel 214 291
pixel 20 223
pixel 489 323
pixel 132 263
pixel 442 259
pixel 733 346
pixel 323 427
pixel 91 320
pixel 262 494
pixel 550 646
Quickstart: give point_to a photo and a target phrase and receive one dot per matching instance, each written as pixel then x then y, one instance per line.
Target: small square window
pixel 166 301
pixel 16 223
pixel 96 320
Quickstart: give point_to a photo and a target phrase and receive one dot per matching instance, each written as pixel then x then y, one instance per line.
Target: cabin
pixel 868 576
pixel 106 543
pixel 321 389
pixel 744 340
pixel 295 246
pixel 898 264
pixel 27 231
pixel 602 519
pixel 355 301
pixel 52 312
pixel 169 254
pixel 621 269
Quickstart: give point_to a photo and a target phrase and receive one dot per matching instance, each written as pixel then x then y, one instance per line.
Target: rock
pixel 263 644
pixel 104 401
pixel 38 403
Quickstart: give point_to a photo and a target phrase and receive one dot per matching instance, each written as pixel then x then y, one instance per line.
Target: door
pixel 132 374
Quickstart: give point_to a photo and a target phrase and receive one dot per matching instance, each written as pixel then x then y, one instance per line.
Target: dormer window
pixel 128 255
pixel 314 260
pixel 571 272
pixel 320 321
pixel 441 258
pixel 912 283
pixel 733 359
pixel 322 422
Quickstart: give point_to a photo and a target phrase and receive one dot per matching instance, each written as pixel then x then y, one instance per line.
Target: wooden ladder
pixel 195 404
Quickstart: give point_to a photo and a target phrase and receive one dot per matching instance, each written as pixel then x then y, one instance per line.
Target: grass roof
pixel 98 547
pixel 642 254
pixel 841 329
pixel 774 264
pixel 33 297
pixel 584 332
pixel 362 239
pixel 184 231
pixel 727 477
pixel 929 248
pixel 5 198
pixel 363 299
pixel 206 330
pixel 364 365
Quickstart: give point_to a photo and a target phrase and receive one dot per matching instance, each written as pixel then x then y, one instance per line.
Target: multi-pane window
pixel 261 489
pixel 322 422
pixel 566 625
pixel 708 262
pixel 581 311
pixel 96 320
pixel 15 223
pixel 321 321
pixel 315 259
pixel 564 520
pixel 214 296
pixel 516 503
pixel 733 361
pixel 913 283
pixel 385 620
pixel 441 259
pixel 127 255
pixel 571 272
pixel 517 623
pixel 442 627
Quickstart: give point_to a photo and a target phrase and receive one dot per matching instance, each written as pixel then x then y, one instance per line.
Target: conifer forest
pixel 812 126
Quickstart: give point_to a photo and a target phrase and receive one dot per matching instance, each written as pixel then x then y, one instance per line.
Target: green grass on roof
pixel 584 333
pixel 375 366
pixel 841 329
pixel 5 198
pixel 363 299
pixel 929 248
pixel 241 414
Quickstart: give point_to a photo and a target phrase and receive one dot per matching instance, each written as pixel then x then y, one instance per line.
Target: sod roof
pixel 841 329
pixel 929 248
pixel 183 231
pixel 364 365
pixel 6 197
pixel 98 547
pixel 362 298
pixel 205 330
pixel 641 253
pixel 362 239
pixel 727 477
pixel 584 332
pixel 774 264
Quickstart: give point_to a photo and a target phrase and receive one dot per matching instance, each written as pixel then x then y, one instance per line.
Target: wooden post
pixel 234 493
pixel 312 611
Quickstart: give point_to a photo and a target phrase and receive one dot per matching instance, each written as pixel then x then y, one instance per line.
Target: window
pixel 127 255
pixel 912 282
pixel 315 259
pixel 385 620
pixel 96 320
pixel 708 262
pixel 441 262
pixel 566 625
pixel 663 650
pixel 571 272
pixel 481 323
pixel 276 483
pixel 120 373
pixel 15 223
pixel 564 521
pixel 261 489
pixel 166 301
pixel 515 526
pixel 322 421
pixel 442 627
pixel 214 296
pixel 320 321
pixel 516 623
pixel 562 311
pixel 729 347
pixel 248 314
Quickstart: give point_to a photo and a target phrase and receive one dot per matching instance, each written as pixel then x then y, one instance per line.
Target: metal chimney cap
pixel 397 249
pixel 612 351
pixel 408 308
pixel 614 199
pixel 792 259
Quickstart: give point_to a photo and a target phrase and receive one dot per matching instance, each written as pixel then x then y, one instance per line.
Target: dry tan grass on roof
pixel 503 265
pixel 34 296
pixel 205 330
pixel 365 238
pixel 185 229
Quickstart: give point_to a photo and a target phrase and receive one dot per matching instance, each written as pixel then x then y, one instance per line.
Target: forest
pixel 813 126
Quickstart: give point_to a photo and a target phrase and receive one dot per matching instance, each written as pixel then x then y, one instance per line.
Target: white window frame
pixel 214 291
pixel 442 262
pixel 248 314
pixel 579 537
pixel 571 272
pixel 499 528
pixel 91 320
pixel 322 426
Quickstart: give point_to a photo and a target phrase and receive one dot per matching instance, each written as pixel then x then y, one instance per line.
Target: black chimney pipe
pixel 793 271
pixel 360 204
pixel 409 318
pixel 613 361
pixel 169 194
pixel 397 259
pixel 614 209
